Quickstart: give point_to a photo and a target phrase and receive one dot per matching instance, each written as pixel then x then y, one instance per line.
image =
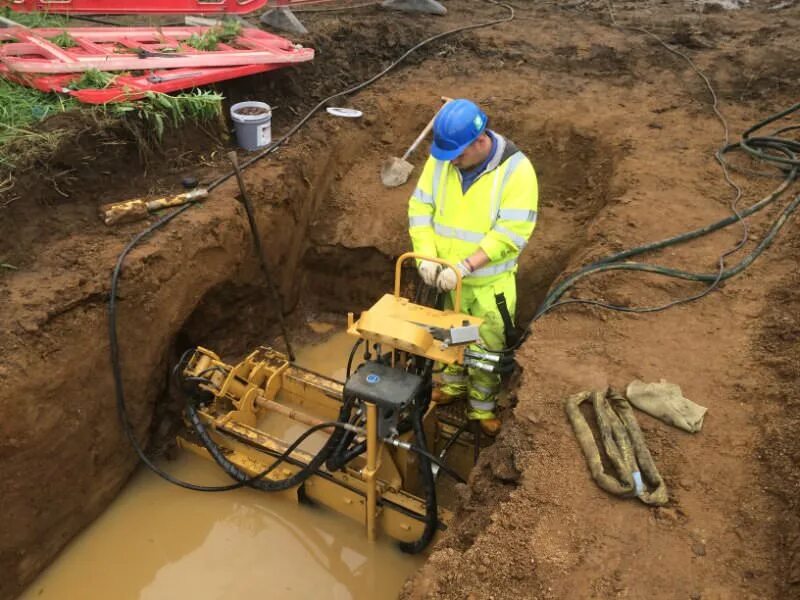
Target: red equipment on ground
pixel 126 87
pixel 127 7
pixel 137 48
pixel 148 59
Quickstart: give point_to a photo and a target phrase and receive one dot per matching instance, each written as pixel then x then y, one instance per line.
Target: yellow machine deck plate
pixel 399 323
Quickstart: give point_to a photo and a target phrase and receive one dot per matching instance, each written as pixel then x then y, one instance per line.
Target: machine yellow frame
pixel 379 489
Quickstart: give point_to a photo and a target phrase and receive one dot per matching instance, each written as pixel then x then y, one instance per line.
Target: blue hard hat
pixel 458 124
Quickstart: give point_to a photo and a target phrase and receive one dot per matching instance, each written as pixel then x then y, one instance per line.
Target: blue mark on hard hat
pixel 372 378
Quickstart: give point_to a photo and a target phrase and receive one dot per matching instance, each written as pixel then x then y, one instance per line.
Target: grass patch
pixel 20 107
pixel 149 117
pixel 94 79
pixel 63 40
pixel 35 19
pixel 213 36
pixel 145 120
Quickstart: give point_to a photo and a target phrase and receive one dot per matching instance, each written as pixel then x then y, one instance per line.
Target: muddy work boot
pixel 439 397
pixel 490 425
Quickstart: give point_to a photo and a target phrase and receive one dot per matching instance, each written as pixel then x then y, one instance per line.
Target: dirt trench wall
pixel 61 426
pixel 63 456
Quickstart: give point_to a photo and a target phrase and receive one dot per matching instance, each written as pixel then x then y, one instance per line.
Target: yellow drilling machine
pixel 370 448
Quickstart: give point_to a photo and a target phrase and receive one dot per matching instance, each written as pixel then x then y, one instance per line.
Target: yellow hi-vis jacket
pixel 497 214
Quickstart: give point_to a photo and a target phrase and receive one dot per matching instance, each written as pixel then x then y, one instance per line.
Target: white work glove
pixel 447 278
pixel 428 270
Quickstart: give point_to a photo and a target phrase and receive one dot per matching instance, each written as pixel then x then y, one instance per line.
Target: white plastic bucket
pixel 252 131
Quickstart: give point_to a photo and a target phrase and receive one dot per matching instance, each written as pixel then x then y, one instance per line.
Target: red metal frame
pixel 123 7
pixel 133 7
pixel 138 48
pixel 132 87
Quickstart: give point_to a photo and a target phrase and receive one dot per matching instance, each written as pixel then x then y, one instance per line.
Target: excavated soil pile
pixel 622 134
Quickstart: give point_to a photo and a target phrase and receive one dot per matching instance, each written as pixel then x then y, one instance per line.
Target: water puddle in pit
pixel 158 542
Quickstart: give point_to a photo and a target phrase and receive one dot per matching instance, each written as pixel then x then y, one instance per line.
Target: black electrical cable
pixel 261 255
pixel 258 482
pixel 753 146
pixel 750 145
pixel 334 460
pixel 615 261
pixel 95 20
pixel 453 439
pixel 358 87
pixel 354 452
pixel 435 459
pixel 350 358
pixel 428 484
pixel 116 368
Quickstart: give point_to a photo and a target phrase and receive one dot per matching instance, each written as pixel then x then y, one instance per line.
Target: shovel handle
pixel 424 132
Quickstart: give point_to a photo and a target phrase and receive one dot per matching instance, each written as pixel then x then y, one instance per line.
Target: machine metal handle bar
pixel 408 255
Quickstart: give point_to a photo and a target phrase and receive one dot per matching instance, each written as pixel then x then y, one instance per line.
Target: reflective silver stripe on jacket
pixel 437 175
pixel 495 269
pixel 519 241
pixel 420 220
pixel 458 234
pixel 517 214
pixel 423 197
pixel 511 165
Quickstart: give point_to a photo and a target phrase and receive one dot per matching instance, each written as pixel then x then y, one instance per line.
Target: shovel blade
pixel 395 172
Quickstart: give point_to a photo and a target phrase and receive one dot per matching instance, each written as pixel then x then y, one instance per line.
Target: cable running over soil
pixel 756 147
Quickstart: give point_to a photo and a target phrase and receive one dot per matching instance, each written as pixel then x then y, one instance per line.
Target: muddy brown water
pixel 157 541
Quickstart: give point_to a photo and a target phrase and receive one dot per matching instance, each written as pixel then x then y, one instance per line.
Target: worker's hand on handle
pixel 428 270
pixel 448 279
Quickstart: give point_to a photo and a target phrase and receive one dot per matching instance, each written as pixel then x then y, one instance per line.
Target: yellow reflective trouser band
pixel 478 405
pixel 454 378
pixel 482 389
pixel 454 381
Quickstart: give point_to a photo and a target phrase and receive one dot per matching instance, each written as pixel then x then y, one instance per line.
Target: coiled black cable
pixel 784 157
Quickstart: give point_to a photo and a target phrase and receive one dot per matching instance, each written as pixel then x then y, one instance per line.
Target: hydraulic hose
pixel 429 485
pixel 450 443
pixel 339 443
pixel 266 485
pixel 116 368
pixel 351 357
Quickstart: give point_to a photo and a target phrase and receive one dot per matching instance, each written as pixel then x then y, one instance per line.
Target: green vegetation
pixel 24 143
pixel 63 40
pixel 35 19
pixel 21 106
pixel 153 113
pixel 94 79
pixel 225 33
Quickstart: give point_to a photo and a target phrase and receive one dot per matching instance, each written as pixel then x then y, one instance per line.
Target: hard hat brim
pixel 442 154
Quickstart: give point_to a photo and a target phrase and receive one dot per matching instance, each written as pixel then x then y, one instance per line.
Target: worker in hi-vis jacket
pixel 474 206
